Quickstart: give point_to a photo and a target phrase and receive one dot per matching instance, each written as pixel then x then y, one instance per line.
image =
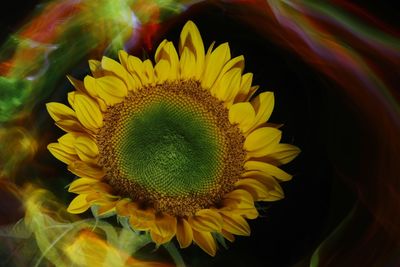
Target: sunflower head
pixel 179 146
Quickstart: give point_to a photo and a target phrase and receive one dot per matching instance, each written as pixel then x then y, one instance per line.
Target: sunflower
pixel 176 147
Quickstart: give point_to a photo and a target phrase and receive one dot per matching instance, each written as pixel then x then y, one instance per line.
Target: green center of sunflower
pixel 168 141
pixel 172 147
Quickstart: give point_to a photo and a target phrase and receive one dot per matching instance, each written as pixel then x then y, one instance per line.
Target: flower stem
pixel 176 256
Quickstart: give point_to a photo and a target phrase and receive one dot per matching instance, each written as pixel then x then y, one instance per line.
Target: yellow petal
pixel 208 54
pixel 109 88
pixel 281 154
pixel 214 64
pixel 168 53
pixel 60 111
pixel 205 241
pixel 90 188
pixel 234 63
pixel 206 220
pixel 245 86
pixel 235 223
pixel 149 71
pixel 136 66
pixel 95 68
pixel 263 105
pixel 184 233
pixel 123 58
pixel 267 169
pixel 142 220
pixel 118 70
pixel 83 169
pixel 159 50
pixel 258 190
pixel 78 204
pixel 72 125
pixel 240 201
pixel 242 114
pixel 91 86
pixel 100 198
pixel 102 104
pixel 227 88
pixel 86 149
pixel 190 40
pixel 58 152
pixel 228 235
pixel 274 189
pixel 239 198
pixel 161 70
pixel 261 141
pixel 81 183
pixel 187 64
pixel 106 208
pixel 71 98
pixel 67 142
pixel 97 197
pixel 252 91
pixel 78 84
pixel 123 207
pixel 164 229
pixel 88 112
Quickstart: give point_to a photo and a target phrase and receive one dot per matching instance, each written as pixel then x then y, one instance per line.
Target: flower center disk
pixel 171 147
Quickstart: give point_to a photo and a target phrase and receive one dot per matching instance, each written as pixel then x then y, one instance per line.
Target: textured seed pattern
pixel 172 147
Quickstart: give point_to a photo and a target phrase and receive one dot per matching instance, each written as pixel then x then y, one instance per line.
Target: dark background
pixel 317 117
